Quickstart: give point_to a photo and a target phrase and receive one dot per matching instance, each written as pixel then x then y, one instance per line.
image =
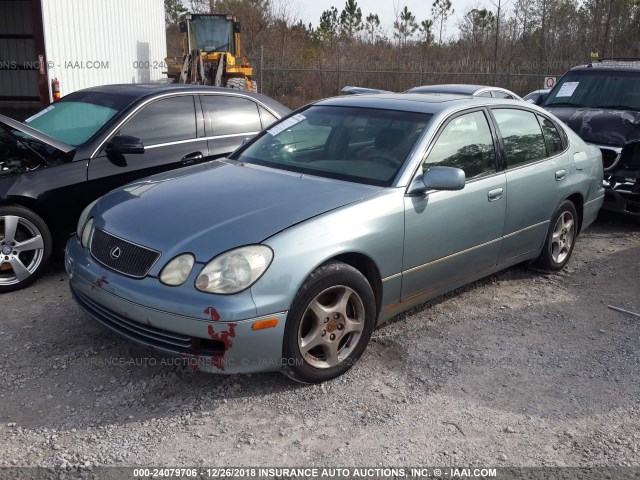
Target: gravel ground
pixel 519 369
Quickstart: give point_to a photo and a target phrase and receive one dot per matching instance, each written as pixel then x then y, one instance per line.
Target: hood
pixel 37 134
pixel 211 208
pixel 602 127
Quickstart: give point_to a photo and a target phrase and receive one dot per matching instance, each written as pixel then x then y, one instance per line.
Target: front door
pixel 168 129
pixel 453 235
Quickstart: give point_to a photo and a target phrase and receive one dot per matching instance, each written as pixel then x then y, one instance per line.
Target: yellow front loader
pixel 211 53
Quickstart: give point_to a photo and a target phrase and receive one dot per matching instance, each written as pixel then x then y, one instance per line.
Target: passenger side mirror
pixel 124 144
pixel 541 99
pixel 444 178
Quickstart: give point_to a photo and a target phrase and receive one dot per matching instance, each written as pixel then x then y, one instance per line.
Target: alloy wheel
pixel 563 237
pixel 331 327
pixel 21 249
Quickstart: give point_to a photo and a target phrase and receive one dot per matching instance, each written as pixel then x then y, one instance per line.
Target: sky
pixel 310 10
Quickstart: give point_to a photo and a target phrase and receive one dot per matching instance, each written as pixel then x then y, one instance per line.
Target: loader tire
pixel 237 83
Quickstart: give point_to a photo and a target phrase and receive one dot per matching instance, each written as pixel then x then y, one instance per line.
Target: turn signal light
pixel 262 324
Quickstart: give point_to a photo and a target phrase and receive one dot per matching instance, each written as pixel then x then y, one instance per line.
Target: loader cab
pixel 211 33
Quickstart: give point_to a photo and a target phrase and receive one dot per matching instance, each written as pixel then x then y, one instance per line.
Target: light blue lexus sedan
pixel 287 254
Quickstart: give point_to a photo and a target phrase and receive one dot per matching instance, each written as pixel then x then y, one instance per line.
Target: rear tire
pixel 329 324
pixel 25 247
pixel 561 238
pixel 237 83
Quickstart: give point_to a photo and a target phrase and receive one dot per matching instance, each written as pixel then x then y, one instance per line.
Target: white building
pixel 81 43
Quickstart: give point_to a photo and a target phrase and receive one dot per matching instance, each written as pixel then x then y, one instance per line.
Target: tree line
pixel 539 36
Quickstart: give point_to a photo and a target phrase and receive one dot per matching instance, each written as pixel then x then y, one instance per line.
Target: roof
pixel 136 91
pixel 459 88
pixel 140 90
pixel 411 102
pixel 610 65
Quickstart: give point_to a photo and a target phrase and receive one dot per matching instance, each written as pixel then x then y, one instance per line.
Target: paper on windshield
pixel 41 112
pixel 567 89
pixel 288 123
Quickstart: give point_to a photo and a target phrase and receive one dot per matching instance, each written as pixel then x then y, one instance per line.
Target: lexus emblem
pixel 115 253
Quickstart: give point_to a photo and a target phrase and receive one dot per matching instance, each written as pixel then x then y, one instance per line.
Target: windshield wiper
pixel 565 104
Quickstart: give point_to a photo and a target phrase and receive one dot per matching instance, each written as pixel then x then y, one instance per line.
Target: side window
pixel 267 117
pixel 484 94
pixel 552 137
pixel 230 115
pixel 164 121
pixel 465 143
pixel 521 135
pixel 501 94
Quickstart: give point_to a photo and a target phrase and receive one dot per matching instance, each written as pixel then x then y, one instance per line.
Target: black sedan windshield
pixel 77 117
pixel 362 145
pixel 597 89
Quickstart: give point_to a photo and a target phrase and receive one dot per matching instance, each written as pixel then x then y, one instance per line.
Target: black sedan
pixel 96 139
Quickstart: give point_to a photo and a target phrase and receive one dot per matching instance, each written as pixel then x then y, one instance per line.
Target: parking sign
pixel 549 82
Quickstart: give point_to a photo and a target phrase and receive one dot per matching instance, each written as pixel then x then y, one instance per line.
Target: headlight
pixel 235 270
pixel 84 216
pixel 177 271
pixel 86 233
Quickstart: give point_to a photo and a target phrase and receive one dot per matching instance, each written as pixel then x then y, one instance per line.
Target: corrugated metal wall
pixel 97 42
pixel 18 76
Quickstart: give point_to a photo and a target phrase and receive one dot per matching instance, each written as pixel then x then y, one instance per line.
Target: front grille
pixel 148 335
pixel 610 158
pixel 122 256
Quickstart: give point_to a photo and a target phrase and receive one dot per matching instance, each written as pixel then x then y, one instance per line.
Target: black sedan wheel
pixel 25 247
pixel 329 324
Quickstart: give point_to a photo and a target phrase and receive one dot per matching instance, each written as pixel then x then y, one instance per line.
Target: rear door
pixel 536 167
pixel 453 235
pixel 173 136
pixel 230 120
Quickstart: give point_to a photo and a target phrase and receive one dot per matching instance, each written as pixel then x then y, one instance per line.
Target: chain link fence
pixel 296 86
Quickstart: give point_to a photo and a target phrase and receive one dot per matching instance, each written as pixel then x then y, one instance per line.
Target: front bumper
pixel 216 346
pixel 624 198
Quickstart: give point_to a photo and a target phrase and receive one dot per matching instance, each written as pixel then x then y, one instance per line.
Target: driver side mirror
pixel 124 144
pixel 444 178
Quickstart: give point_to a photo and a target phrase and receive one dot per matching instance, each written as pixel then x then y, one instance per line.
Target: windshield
pixel 597 89
pixel 78 116
pixel 211 34
pixel 361 145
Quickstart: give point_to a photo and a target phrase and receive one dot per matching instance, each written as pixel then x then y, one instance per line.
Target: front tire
pixel 561 238
pixel 329 324
pixel 25 247
pixel 237 83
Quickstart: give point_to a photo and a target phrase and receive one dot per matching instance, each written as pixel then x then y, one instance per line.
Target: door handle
pixel 192 158
pixel 495 194
pixel 560 174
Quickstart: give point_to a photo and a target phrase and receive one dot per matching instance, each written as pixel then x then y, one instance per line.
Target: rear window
pixel 521 136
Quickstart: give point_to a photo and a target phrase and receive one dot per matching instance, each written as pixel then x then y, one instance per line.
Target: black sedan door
pixel 172 134
pixel 230 120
